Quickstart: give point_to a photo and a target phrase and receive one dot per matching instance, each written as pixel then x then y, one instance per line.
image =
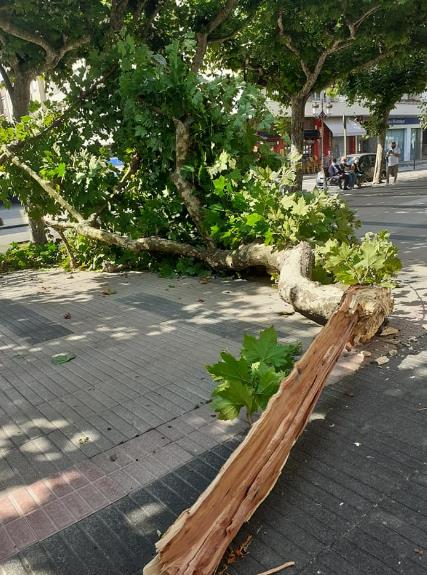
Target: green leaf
pixel 60 358
pixel 268 381
pixel 229 400
pixel 60 170
pixel 266 349
pixel 231 370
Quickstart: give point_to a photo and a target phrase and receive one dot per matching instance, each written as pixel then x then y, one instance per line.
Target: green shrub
pixel 29 255
pixel 372 261
pixel 252 379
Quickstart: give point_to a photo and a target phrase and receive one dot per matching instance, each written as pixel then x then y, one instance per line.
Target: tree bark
pixel 186 190
pixel 20 97
pixel 297 136
pixel 380 149
pixel 21 94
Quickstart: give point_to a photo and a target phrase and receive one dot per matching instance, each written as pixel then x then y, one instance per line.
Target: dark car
pixel 366 163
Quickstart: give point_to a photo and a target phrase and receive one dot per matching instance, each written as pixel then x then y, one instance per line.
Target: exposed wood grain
pixel 196 542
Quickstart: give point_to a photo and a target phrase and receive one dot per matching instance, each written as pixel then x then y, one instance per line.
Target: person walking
pixel 393 155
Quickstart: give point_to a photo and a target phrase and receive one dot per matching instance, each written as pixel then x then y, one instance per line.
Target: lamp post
pixel 321 110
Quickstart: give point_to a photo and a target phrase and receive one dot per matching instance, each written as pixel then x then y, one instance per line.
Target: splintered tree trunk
pixel 21 105
pixel 297 136
pixel 197 540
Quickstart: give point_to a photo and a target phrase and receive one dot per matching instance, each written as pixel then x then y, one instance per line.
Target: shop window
pixel 397 136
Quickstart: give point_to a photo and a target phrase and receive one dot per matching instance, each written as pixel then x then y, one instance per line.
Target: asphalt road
pixel 401 209
pixel 15 227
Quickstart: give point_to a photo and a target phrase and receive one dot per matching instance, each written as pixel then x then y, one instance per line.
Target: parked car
pixel 366 163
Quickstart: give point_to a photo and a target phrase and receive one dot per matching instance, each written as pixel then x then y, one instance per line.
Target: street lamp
pixel 321 110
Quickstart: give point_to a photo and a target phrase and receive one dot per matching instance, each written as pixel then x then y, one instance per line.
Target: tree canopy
pixel 185 129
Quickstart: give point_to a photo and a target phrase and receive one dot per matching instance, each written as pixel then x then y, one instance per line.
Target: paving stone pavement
pixel 133 404
pixel 351 499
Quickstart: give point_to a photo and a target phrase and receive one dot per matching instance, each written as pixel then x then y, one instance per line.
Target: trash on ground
pixel 108 291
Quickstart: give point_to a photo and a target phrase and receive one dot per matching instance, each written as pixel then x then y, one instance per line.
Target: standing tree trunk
pixel 20 97
pixel 380 148
pixel 297 137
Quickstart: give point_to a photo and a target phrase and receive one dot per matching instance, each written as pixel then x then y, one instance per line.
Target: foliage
pixel 279 57
pixel 25 256
pixel 254 378
pixel 372 261
pixel 258 206
pixel 382 86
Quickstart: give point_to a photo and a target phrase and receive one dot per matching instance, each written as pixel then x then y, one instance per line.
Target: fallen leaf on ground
pixel 279 568
pixel 419 551
pixel 62 357
pixel 366 353
pixel 84 440
pixel 67 315
pixel 389 330
pixel 200 300
pixel 108 291
pixel 381 360
pixel 204 280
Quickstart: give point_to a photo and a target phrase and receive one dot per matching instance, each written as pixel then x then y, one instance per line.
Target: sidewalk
pixel 100 454
pixel 406 173
pixel 133 404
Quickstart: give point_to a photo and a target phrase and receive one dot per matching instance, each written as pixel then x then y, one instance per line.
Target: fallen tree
pixel 294 265
pixel 197 540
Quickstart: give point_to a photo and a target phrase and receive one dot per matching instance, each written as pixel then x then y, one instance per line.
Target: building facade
pixel 339 130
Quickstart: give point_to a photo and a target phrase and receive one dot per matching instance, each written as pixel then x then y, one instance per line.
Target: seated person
pixel 337 174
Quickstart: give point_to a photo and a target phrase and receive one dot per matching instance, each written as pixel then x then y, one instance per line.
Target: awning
pixel 337 128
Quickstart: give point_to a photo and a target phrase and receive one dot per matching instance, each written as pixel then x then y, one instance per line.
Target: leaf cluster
pixel 30 256
pixel 372 261
pixel 251 380
pixel 258 206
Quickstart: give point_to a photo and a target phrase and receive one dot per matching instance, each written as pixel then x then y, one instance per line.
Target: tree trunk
pixel 21 95
pixel 37 227
pixel 380 149
pixel 21 106
pixel 197 540
pixel 297 137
